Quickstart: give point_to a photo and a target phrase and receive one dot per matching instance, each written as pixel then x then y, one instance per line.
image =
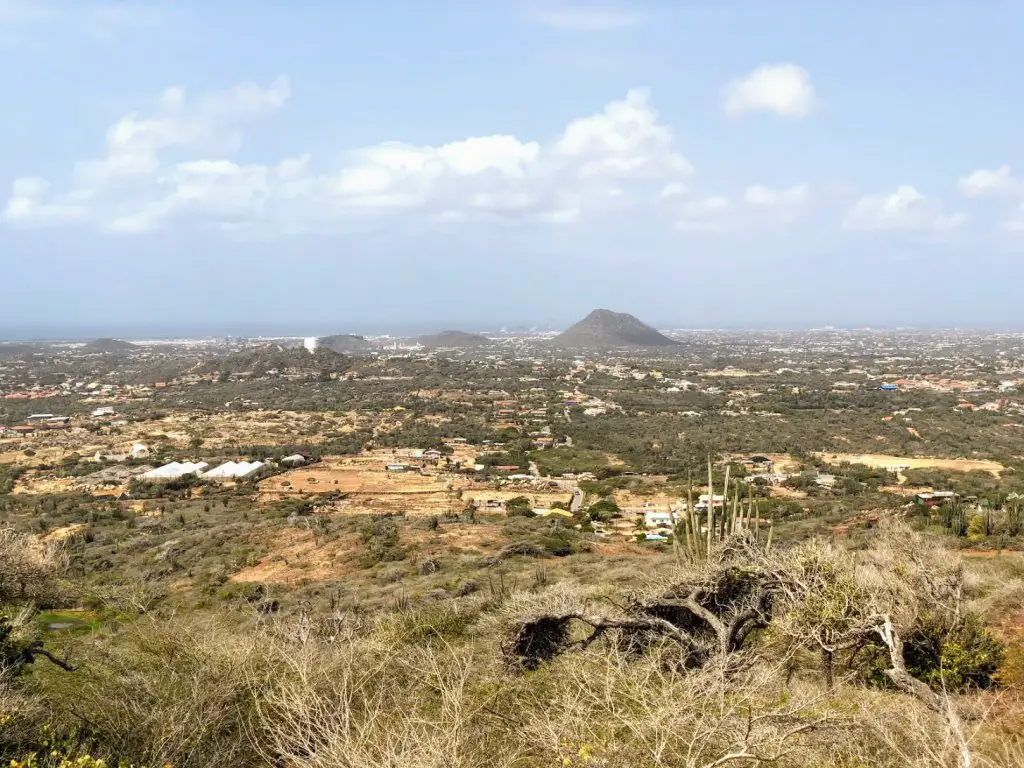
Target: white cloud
pixel 135 143
pixel 761 208
pixel 759 195
pixel 624 140
pixel 705 215
pixel 673 189
pixel 580 19
pixel 26 205
pixel 781 88
pixel 905 210
pixel 176 163
pixel 991 183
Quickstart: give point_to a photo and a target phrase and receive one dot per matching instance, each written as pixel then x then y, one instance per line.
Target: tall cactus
pixel 734 518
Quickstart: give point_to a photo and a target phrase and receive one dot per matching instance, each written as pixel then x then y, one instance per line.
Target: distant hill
pixel 343 343
pixel 12 351
pixel 260 360
pixel 604 329
pixel 453 339
pixel 108 347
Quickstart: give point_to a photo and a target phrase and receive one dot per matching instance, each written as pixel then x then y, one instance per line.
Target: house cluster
pixel 414 460
pixel 33 393
pixel 89 391
pixel 591 405
pixel 36 422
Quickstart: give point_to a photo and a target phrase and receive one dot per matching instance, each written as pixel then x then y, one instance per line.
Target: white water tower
pixel 311 344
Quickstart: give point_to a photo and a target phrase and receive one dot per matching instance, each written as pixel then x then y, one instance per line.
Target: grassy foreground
pixel 897 654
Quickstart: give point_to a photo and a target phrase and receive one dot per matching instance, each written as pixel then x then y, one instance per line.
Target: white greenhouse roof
pixel 235 469
pixel 174 470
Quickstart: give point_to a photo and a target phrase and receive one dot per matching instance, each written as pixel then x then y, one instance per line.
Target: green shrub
pixel 381 540
pixel 960 656
pixel 605 509
pixel 519 506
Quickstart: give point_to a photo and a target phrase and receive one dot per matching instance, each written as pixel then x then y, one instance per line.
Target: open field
pixel 883 461
pixel 363 485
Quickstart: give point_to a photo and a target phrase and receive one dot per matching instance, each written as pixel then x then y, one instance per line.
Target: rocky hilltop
pixel 453 339
pixel 604 329
pixel 344 343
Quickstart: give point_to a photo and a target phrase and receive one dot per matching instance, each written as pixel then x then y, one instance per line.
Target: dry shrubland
pixel 810 655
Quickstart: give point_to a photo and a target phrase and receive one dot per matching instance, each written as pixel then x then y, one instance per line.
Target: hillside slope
pixel 108 347
pixel 276 357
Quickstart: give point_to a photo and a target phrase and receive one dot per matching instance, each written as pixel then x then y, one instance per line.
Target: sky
pixel 354 166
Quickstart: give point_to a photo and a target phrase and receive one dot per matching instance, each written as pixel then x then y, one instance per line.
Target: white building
pixel 655 519
pixel 702 501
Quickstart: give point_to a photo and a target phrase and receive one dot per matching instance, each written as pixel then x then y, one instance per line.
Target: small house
pixel 655 519
pixel 934 498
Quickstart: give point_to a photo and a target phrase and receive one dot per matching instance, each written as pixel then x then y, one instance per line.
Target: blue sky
pixel 350 165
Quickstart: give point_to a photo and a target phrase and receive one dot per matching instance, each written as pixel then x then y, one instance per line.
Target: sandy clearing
pixel 33 485
pixel 64 532
pixel 905 490
pixel 368 488
pixel 885 461
pixel 782 462
pixel 655 501
pixel 295 556
pixel 781 492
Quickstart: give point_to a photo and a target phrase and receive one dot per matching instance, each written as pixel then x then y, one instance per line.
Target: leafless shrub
pixel 608 709
pixel 370 704
pixel 29 567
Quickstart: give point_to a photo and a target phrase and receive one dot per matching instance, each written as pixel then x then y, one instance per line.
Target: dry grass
pixel 428 686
